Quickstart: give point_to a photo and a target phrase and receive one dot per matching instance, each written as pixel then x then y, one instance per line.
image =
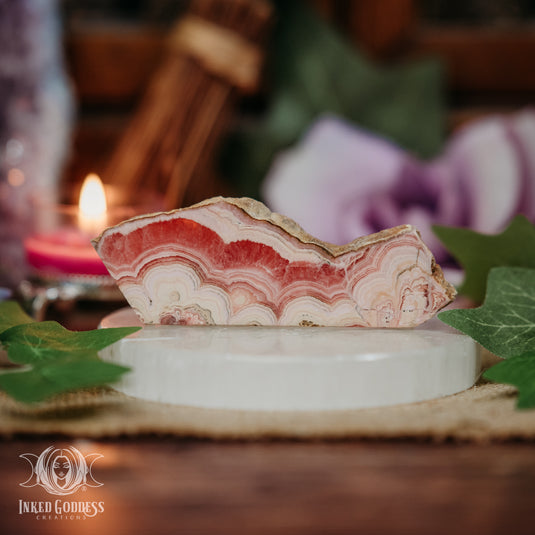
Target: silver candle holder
pixel 41 290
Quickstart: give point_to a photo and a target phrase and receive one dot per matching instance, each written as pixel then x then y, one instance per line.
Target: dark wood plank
pixel 165 485
pixel 480 59
pixel 378 27
pixel 112 63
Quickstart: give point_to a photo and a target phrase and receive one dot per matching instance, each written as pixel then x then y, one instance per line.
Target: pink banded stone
pixel 233 262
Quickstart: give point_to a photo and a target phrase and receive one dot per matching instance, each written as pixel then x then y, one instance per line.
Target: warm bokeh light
pixel 15 177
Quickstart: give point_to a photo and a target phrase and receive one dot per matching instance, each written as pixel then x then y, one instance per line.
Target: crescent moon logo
pixel 61 471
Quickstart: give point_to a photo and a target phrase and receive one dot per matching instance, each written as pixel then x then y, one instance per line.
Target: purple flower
pixel 341 182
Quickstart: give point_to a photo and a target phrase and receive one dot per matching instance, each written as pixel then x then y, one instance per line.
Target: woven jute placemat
pixel 485 412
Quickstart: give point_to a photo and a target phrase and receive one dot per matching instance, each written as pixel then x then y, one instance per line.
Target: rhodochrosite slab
pixel 233 262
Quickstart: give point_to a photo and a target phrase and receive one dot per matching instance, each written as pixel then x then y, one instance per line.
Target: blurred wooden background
pixel 488 49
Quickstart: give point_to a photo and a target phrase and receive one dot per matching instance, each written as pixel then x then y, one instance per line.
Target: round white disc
pixel 291 368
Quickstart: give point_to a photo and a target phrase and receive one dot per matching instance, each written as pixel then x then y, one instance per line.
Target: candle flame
pixel 92 198
pixel 92 206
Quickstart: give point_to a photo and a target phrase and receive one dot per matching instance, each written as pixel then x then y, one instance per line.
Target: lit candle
pixel 92 206
pixel 67 249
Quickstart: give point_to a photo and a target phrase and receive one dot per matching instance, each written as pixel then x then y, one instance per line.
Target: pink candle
pixel 64 251
pixel 64 248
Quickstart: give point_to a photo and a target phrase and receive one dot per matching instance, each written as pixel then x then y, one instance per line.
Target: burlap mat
pixel 483 413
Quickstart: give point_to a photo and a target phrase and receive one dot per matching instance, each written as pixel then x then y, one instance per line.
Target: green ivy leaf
pixel 11 314
pixel 55 359
pixel 520 372
pixel 44 379
pixel 315 71
pixel 48 340
pixel 479 253
pixel 505 324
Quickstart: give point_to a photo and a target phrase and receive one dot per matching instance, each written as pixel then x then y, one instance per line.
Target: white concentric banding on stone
pixel 233 262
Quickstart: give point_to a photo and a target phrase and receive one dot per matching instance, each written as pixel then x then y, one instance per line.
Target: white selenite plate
pixel 291 368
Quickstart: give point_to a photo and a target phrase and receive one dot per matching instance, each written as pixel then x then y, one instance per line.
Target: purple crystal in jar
pixel 35 120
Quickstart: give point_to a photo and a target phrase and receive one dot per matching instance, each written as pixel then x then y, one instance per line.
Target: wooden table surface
pixel 169 485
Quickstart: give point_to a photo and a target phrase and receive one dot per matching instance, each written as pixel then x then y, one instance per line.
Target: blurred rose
pixel 340 182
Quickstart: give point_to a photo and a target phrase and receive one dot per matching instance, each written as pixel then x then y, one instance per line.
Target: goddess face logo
pixel 61 471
